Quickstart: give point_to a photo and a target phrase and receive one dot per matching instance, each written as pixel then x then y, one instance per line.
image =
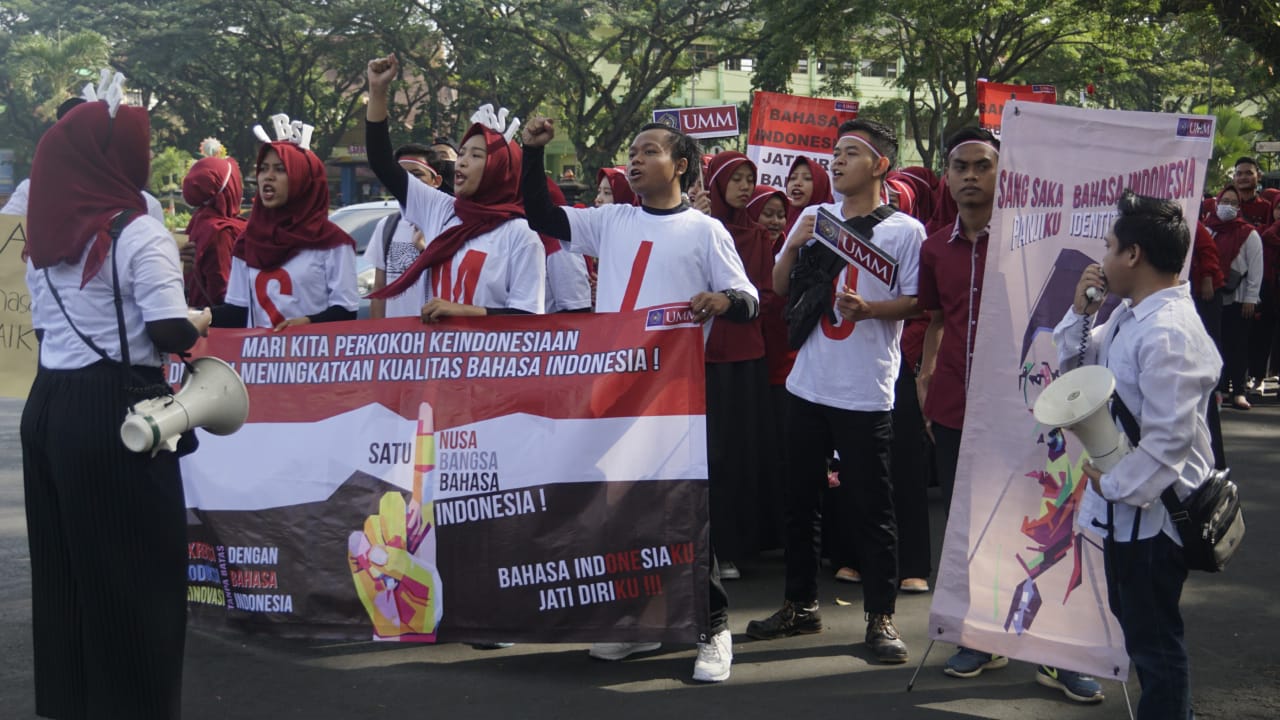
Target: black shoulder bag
pixel 811 293
pixel 1210 521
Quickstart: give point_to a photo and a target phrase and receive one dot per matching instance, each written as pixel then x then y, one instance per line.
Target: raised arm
pixel 377 138
pixel 542 215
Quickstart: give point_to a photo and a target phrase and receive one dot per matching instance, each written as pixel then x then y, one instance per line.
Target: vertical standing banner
pixel 993 96
pixel 520 478
pixel 1017 576
pixel 19 351
pixel 786 126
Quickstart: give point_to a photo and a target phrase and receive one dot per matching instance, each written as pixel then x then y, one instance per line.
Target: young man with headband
pixel 841 393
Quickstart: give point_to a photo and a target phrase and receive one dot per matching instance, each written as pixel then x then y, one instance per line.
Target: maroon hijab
pixel 916 187
pixel 87 168
pixel 622 193
pixel 730 342
pixel 273 236
pixel 756 206
pixel 821 190
pixel 214 187
pixel 496 201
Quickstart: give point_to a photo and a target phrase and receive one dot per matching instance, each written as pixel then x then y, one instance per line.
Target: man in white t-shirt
pixel 661 253
pixel 390 256
pixel 842 391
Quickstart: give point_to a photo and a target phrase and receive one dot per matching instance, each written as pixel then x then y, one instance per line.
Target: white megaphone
pixel 1079 401
pixel 212 397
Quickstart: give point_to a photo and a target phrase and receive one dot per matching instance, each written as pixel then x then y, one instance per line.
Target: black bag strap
pixel 1177 511
pixel 118 224
pixel 388 231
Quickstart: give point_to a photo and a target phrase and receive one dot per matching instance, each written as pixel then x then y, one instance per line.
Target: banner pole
pixel 912 682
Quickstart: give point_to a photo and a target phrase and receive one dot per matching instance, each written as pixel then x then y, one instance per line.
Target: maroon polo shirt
pixel 951 270
pixel 1256 212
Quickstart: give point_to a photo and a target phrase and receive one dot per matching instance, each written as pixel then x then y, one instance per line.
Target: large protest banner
pixel 1017 576
pixel 993 96
pixel 516 478
pixel 786 126
pixel 19 350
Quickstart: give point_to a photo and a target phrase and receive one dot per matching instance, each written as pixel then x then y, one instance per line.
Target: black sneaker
pixel 884 640
pixel 790 620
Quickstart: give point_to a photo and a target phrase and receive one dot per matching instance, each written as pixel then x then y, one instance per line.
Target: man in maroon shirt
pixel 952 261
pixel 1254 208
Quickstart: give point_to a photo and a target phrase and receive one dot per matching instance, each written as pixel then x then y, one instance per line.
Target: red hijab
pixel 273 236
pixel 87 168
pixel 756 204
pixel 618 184
pixel 731 342
pixel 214 187
pixel 495 201
pixel 821 189
pixel 1228 235
pixel 916 188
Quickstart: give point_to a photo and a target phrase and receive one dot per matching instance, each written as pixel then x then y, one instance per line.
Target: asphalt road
pixel 1233 623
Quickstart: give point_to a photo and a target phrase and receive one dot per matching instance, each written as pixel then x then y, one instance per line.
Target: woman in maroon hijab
pixel 807 184
pixel 214 187
pixel 612 187
pixel 107 527
pixel 737 380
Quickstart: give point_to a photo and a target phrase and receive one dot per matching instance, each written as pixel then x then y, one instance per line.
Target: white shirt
pixel 310 282
pixel 687 252
pixel 17 203
pixel 1248 262
pixel 399 256
pixel 150 287
pixel 568 282
pixel 503 268
pixel 1166 368
pixel 856 368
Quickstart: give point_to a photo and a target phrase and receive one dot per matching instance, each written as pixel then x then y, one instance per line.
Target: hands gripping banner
pixel 522 478
pixel 1018 577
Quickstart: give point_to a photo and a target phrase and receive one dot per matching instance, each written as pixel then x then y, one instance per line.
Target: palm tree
pixel 55 67
pixel 1233 137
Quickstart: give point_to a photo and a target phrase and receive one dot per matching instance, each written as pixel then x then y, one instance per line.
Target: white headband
pixel 732 163
pixel 862 140
pixel 416 161
pixel 974 142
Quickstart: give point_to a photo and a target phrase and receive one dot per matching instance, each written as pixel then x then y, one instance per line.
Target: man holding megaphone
pixel 1165 367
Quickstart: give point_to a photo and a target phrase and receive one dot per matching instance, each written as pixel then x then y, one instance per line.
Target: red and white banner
pixel 518 478
pixel 993 96
pixel 701 122
pixel 1017 576
pixel 786 126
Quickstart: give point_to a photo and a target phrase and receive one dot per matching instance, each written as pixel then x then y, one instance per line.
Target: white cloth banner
pixel 1017 577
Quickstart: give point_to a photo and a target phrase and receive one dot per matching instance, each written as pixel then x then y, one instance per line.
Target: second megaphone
pixel 212 397
pixel 1079 401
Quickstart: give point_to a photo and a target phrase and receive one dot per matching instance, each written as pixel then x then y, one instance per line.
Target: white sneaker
pixel 714 658
pixel 621 650
pixel 729 571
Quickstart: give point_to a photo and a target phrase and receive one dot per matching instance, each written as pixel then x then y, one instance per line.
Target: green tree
pixel 1233 137
pixel 168 168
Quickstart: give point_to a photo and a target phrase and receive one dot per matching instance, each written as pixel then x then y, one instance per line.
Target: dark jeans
pixel 863 440
pixel 718 599
pixel 1262 334
pixel 1235 349
pixel 946 454
pixel 1144 583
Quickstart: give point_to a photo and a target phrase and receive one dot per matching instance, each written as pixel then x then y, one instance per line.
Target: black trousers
pixel 909 458
pixel 737 401
pixel 107 533
pixel 1144 586
pixel 1235 350
pixel 864 441
pixel 946 455
pixel 1262 334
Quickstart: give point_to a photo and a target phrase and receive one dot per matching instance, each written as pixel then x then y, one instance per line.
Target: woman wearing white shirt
pixel 107 526
pixel 290 266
